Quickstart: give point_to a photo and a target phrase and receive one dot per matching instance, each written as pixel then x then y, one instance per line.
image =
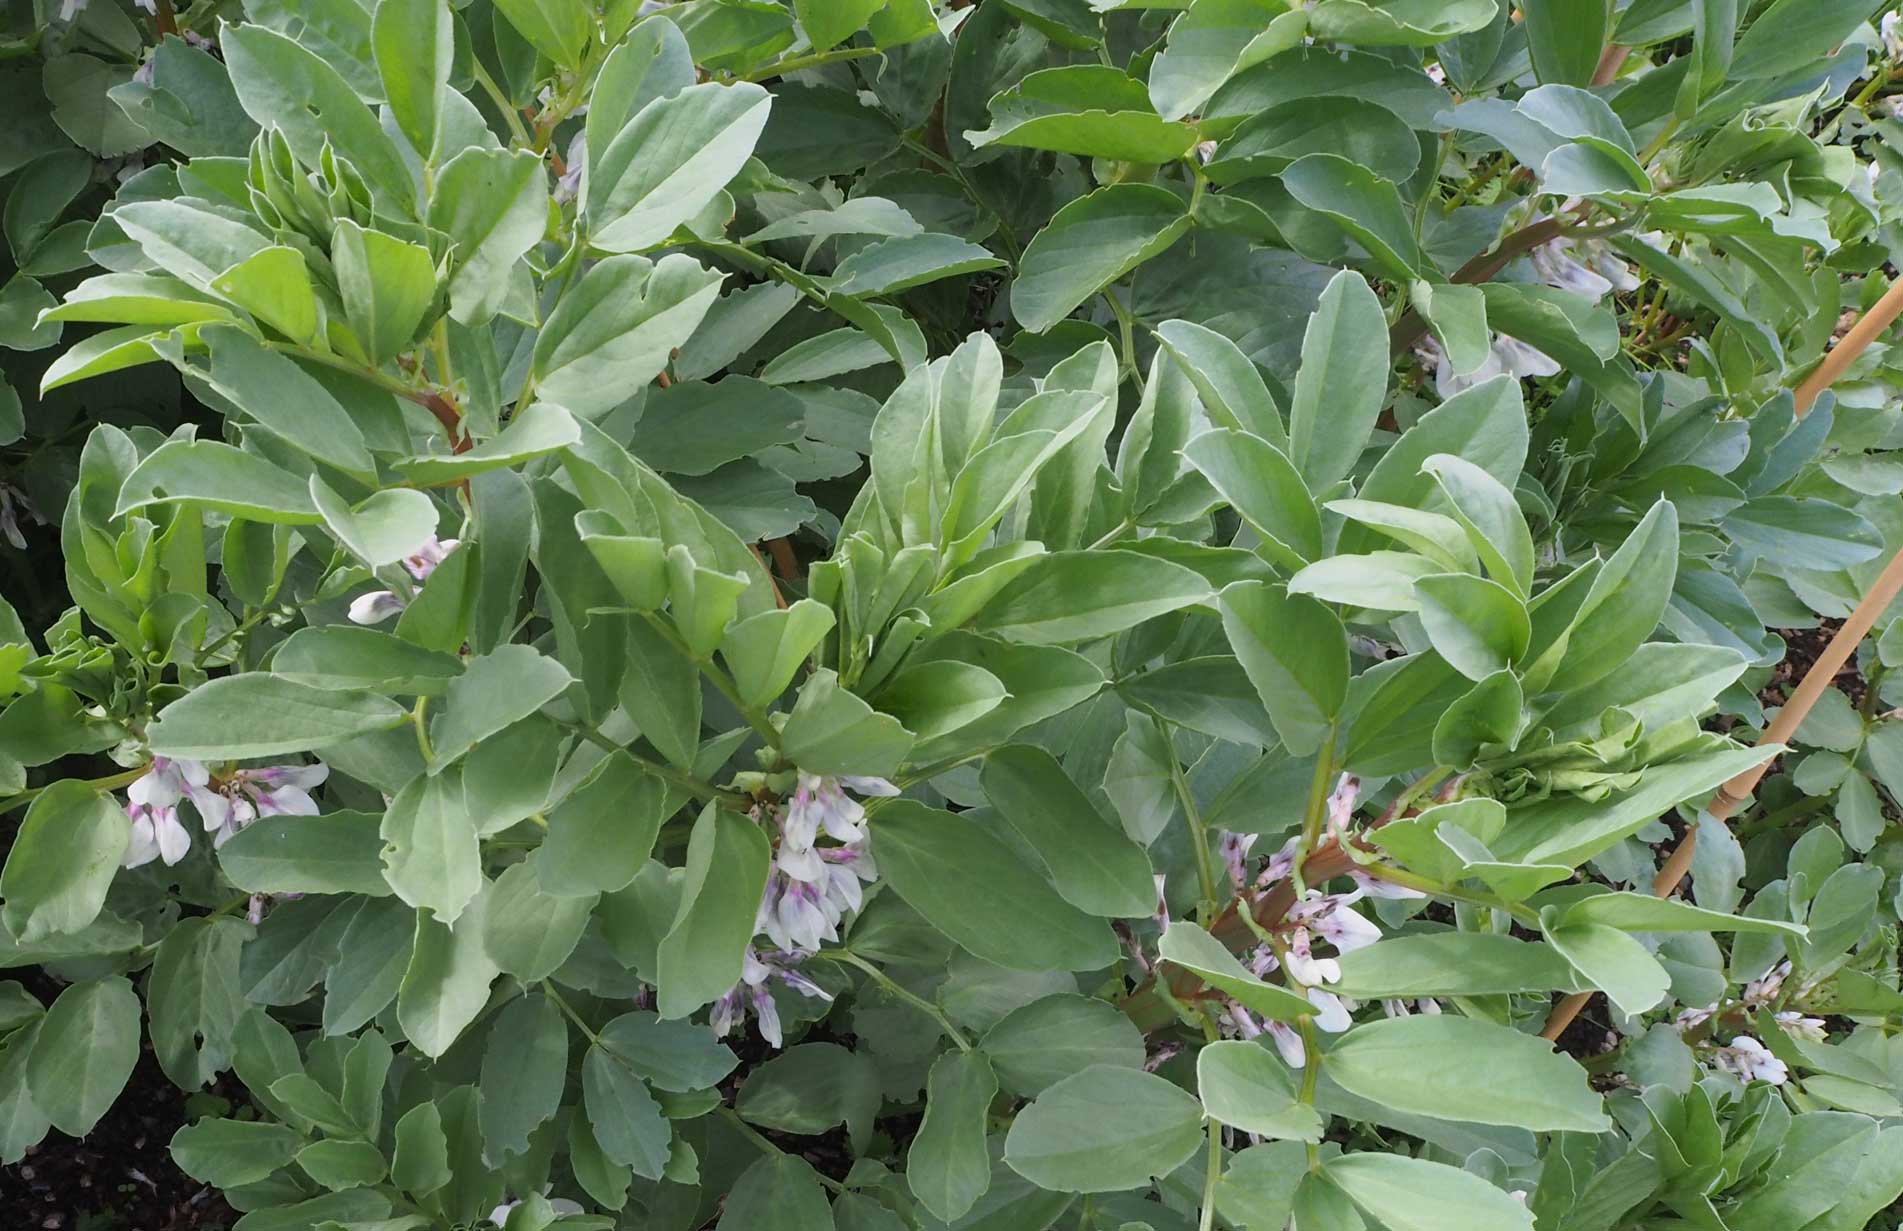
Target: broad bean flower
pixel 226 803
pixel 376 606
pixel 810 889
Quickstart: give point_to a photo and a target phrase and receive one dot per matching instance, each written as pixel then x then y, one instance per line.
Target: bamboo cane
pixel 1731 796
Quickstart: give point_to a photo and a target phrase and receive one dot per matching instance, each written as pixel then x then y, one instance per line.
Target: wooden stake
pixel 1731 796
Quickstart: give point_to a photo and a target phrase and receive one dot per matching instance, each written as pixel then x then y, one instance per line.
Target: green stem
pixel 1311 1071
pixel 111 782
pixel 767 1147
pixel 892 989
pixel 548 989
pixel 1213 1175
pixel 815 60
pixel 374 375
pixel 501 101
pixel 1198 832
pixel 1126 328
pixel 1317 810
pixel 419 718
pixel 1113 534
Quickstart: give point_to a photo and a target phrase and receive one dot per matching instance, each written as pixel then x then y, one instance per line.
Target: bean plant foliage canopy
pixel 893 615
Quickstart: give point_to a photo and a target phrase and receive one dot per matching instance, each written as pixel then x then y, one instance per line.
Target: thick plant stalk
pixel 1731 796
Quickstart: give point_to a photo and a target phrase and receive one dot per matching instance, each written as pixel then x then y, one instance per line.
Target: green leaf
pixel 1227 381
pixel 1295 651
pixel 229 1153
pixel 1341 384
pixel 948 1167
pixel 430 855
pixel 1802 532
pixel 1210 694
pixel 1211 42
pixel 1491 517
pixel 22 1123
pixel 414 43
pixel 1789 35
pixel 1571 830
pixel 810 1087
pixel 1103 1130
pixel 614 330
pixel 1477 625
pixel 627 1121
pixel 193 999
pixel 531 432
pixel 832 731
pixel 830 22
pixel 1245 1087
pixel 781 1191
pixel 532 932
pixel 1039 1044
pixel 256 714
pixel 496 691
pixel 559 29
pixel 1413 1194
pixel 1079 595
pixel 1620 610
pixel 149 298
pixel 388 526
pixel 220 478
pixel 343 656
pixel 493 205
pixel 84 1053
pixel 1361 203
pixel 342 1165
pixel 889 266
pixel 600 836
pixel 1613 962
pixel 678 1056
pixel 1641 912
pixel 1565 38
pixel 420 1163
pixel 1089 244
pixel 668 163
pixel 388 287
pixel 62 861
pixel 1265 488
pixel 338 852
pixel 447 982
pixel 1481 1072
pixel 274 285
pixel 1189 946
pixel 1450 964
pixel 1366 133
pixel 700 957
pixel 287 400
pixel 1092 110
pixel 524 1068
pixel 976 889
pixel 1407 23
pixel 284 86
pixel 763 652
pixel 1088 859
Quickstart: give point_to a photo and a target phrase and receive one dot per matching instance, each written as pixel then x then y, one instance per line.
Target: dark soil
pixel 121 1177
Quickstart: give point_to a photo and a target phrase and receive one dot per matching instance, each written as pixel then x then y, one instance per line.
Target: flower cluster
pixel 1584 266
pixel 809 890
pixel 226 802
pixel 376 606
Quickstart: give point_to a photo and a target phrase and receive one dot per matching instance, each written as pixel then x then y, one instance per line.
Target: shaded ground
pixel 120 1178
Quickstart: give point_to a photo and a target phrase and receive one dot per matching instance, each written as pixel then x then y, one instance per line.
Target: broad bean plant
pixel 883 615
